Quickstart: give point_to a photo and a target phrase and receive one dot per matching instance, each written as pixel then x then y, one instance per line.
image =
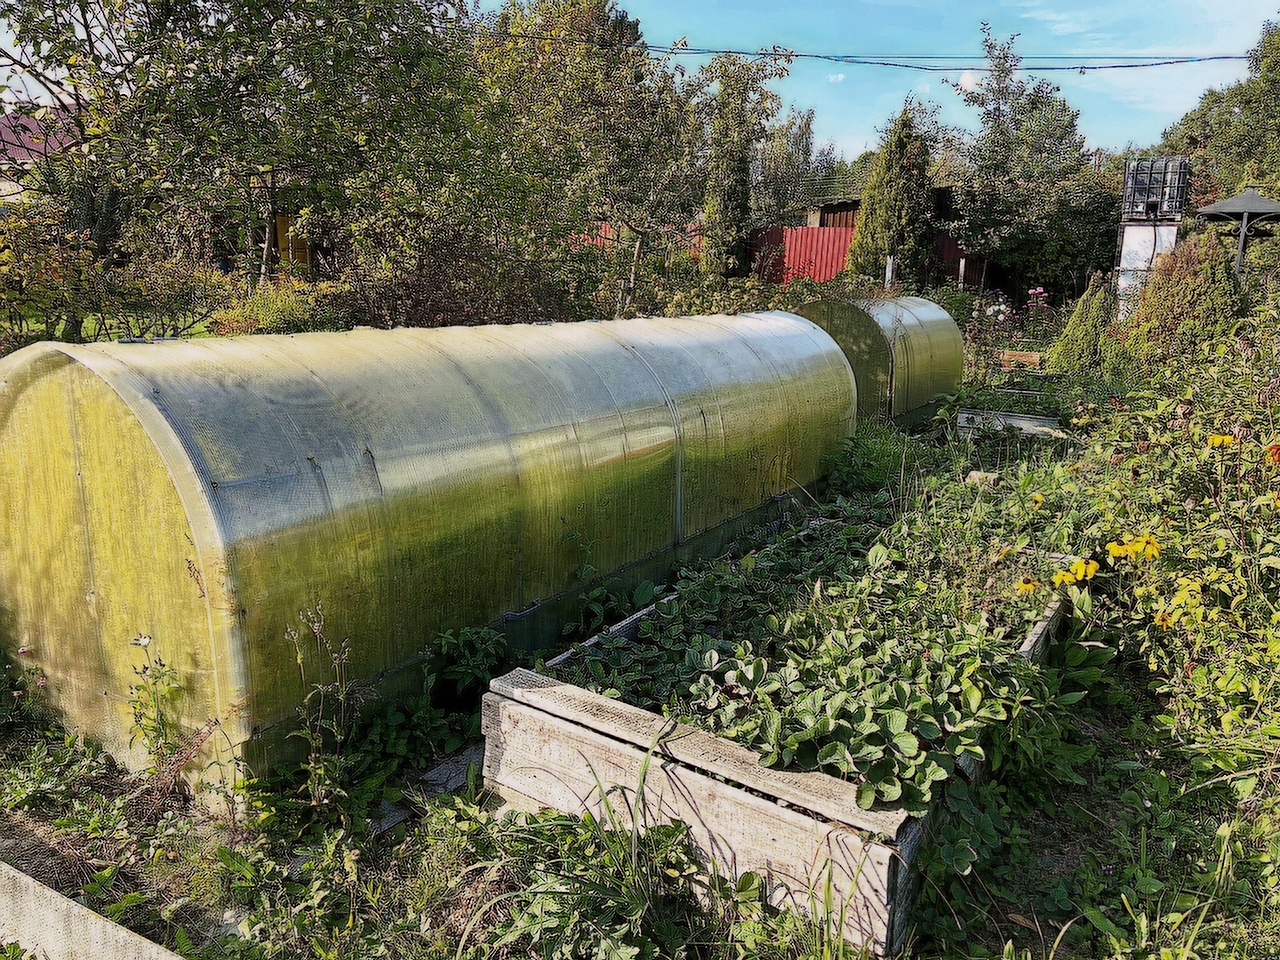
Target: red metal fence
pixel 780 254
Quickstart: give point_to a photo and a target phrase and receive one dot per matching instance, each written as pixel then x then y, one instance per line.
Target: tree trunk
pixel 248 246
pixel 73 329
pixel 268 236
pixel 635 266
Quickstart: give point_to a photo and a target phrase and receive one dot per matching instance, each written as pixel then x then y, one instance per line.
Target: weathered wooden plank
pixel 816 792
pixel 544 760
pixel 1036 645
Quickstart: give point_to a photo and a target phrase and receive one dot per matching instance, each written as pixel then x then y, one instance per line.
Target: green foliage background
pixel 1191 297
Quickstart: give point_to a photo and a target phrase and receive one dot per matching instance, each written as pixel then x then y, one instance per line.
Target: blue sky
pixel 1117 107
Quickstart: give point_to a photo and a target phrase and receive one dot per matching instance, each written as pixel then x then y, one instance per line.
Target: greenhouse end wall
pixel 202 493
pixel 905 351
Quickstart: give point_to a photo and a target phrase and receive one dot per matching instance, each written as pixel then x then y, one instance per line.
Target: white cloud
pixel 968 80
pixel 924 88
pixel 835 78
pixel 1059 24
pixel 1150 100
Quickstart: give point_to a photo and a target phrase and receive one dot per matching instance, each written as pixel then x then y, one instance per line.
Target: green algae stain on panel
pixel 98 551
pixel 412 482
pixel 46 584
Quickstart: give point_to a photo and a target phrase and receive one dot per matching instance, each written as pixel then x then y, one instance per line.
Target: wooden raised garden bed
pixel 553 744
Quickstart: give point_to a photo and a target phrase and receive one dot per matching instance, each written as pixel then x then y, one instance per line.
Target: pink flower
pixel 23 651
pixel 42 681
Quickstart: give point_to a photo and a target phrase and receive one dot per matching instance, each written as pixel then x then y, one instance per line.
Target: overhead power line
pixel 927 63
pixel 1038 64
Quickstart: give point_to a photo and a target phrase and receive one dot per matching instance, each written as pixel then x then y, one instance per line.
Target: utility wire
pixel 927 63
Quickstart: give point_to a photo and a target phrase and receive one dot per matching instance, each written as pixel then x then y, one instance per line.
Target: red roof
pixel 25 137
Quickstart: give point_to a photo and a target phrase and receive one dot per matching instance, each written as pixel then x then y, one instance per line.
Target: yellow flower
pixel 1117 550
pixel 1036 500
pixel 1027 586
pixel 1221 440
pixel 1164 620
pixel 1147 546
pixel 1063 577
pixel 1272 455
pixel 1084 570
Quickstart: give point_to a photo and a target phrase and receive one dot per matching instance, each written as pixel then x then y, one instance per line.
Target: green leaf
pixel 835 755
pixel 1148 885
pixel 1101 923
pixel 1244 787
pixel 896 721
pixel 644 594
pixel 928 730
pixel 866 795
pixel 1083 601
pixel 750 888
pixel 907 744
pixel 890 789
pixel 236 863
pixel 115 911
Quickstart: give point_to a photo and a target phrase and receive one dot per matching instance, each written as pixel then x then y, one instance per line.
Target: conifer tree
pixel 1190 298
pixel 1079 348
pixel 739 114
pixel 895 217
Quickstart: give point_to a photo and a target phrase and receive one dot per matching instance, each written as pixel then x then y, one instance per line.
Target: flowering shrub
pixel 1197 471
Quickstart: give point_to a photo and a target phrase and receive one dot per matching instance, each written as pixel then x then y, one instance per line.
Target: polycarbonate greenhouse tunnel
pixel 905 352
pixel 203 492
